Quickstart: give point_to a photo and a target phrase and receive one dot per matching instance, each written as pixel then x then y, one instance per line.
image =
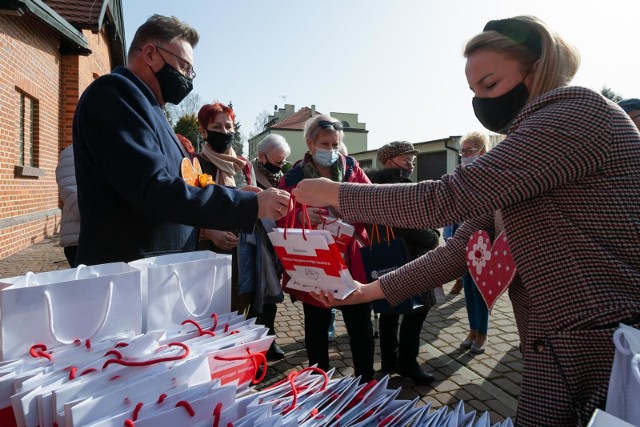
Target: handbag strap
pixel 374 231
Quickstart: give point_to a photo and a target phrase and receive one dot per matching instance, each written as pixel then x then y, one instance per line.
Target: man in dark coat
pixel 133 202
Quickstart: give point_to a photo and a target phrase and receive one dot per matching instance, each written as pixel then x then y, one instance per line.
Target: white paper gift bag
pixel 190 285
pixel 313 261
pixel 624 383
pixel 341 231
pixel 68 305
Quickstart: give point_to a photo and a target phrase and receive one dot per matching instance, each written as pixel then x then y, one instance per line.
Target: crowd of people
pixel 562 186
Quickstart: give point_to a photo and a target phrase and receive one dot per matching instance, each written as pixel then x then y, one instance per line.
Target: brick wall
pixel 33 73
pixel 77 73
pixel 29 69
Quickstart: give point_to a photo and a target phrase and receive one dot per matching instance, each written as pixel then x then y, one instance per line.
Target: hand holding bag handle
pixel 291 218
pixel 49 304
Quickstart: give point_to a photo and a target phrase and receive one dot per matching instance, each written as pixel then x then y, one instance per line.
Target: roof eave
pixel 73 41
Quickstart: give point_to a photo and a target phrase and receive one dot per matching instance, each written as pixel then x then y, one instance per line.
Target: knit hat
pixel 630 104
pixel 393 149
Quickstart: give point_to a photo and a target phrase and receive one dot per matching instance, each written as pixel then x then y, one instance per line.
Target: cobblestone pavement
pixel 486 382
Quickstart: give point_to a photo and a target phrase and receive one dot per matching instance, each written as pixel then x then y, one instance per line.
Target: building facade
pixel 51 50
pixel 290 124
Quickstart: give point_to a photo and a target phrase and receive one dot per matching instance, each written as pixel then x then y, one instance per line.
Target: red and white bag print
pixel 312 260
pixel 341 231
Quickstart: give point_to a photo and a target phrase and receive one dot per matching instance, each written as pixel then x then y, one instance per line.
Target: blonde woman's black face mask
pixel 497 114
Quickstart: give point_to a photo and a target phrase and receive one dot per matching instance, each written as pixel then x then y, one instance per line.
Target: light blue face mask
pixel 468 160
pixel 325 157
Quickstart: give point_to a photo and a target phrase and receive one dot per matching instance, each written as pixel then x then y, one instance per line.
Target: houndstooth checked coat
pixel 567 180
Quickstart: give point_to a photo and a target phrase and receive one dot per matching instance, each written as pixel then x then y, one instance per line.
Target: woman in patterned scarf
pixel 323 135
pixel 273 151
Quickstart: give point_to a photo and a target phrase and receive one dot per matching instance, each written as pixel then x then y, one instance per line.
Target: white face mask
pixel 325 157
pixel 468 160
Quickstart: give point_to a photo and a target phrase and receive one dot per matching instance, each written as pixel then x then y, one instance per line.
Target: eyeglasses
pixel 325 124
pixel 406 162
pixel 468 151
pixel 280 163
pixel 185 67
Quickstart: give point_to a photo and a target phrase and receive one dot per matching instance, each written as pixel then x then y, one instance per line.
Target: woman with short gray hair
pixel 258 256
pixel 272 154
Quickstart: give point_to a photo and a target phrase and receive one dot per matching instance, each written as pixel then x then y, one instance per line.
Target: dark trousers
pixel 70 253
pixel 357 319
pixel 402 352
pixel 266 318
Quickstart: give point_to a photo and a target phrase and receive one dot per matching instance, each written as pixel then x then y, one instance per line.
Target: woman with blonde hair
pixel 563 187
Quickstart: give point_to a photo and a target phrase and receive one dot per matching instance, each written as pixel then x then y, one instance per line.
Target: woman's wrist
pixel 335 197
pixel 372 291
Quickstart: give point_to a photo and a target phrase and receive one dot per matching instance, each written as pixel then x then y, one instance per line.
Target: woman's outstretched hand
pixel 363 293
pixel 319 192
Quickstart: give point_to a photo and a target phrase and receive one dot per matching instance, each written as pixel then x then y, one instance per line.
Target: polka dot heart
pixel 491 265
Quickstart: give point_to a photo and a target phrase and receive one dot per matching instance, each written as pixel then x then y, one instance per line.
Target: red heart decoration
pixel 491 265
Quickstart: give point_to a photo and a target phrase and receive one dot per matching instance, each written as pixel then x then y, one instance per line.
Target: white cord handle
pixel 52 331
pixel 632 338
pixel 28 278
pixel 79 268
pixel 206 307
pixel 635 367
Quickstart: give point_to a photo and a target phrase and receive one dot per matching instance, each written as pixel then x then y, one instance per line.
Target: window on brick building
pixel 28 124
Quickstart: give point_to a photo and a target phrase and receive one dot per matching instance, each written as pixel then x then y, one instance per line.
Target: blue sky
pixel 396 63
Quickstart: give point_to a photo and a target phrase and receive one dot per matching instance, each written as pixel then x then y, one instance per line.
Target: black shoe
pixel 417 375
pixel 388 367
pixel 275 352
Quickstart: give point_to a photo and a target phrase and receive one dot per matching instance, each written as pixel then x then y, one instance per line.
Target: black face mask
pixel 405 173
pixel 174 86
pixel 497 114
pixel 220 142
pixel 271 167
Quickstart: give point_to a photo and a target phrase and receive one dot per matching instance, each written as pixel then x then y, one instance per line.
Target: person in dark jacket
pixel 400 353
pixel 266 287
pixel 132 199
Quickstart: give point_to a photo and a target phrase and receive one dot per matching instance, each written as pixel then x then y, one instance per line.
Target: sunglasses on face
pixel 325 124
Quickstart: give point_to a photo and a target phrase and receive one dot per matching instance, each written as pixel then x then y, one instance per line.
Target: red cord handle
pixel 187 407
pixel 119 361
pixel 292 378
pixel 214 316
pixel 38 350
pixel 262 360
pixel 201 331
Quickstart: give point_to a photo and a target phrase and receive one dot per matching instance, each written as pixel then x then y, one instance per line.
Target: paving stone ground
pixel 486 382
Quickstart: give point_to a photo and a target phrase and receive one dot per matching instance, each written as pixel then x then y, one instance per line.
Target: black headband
pixel 519 31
